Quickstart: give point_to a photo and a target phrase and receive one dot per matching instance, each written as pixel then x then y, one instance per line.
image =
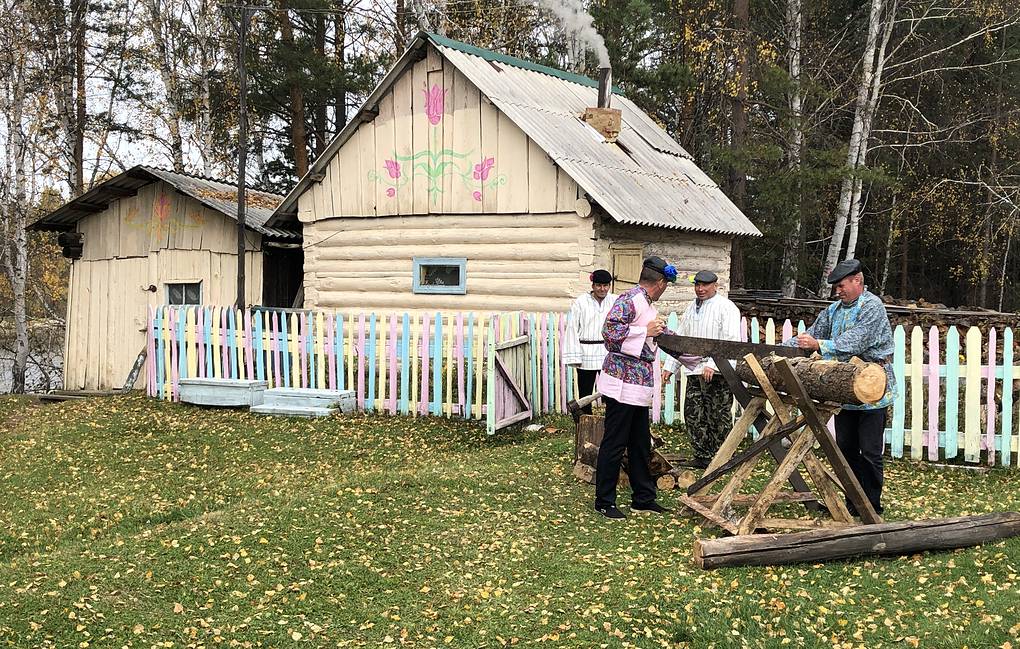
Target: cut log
pixel 589 454
pixel 590 429
pixel 665 482
pixel 832 381
pixel 584 473
pixel 904 537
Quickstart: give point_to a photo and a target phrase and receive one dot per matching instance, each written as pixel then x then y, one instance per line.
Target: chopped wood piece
pixel 665 482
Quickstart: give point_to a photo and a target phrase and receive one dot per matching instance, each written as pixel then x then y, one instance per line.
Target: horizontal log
pixel 825 380
pixel 402 285
pixel 423 237
pixel 904 537
pixel 433 221
pixel 537 252
pixel 380 302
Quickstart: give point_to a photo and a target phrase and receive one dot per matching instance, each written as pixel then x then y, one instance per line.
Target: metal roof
pixel 213 194
pixel 645 178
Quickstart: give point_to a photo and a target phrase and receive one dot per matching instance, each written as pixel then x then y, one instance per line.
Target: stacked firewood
pixel 663 466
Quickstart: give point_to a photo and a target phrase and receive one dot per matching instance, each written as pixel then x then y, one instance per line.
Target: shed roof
pixel 645 178
pixel 214 194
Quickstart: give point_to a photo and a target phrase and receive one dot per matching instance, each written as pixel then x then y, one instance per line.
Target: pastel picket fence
pixel 954 398
pixel 412 364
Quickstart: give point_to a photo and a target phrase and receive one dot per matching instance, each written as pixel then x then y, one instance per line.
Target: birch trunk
pixel 169 75
pixel 791 250
pixel 874 98
pixel 856 134
pixel 16 257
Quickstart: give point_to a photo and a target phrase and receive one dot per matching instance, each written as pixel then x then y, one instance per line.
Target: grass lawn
pixel 130 522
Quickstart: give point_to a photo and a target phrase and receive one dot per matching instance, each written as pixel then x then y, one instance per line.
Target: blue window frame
pixel 440 275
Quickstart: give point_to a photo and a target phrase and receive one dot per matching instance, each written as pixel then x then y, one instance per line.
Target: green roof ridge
pixel 490 55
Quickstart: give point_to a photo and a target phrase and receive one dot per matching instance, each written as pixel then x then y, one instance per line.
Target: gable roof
pixel 645 178
pixel 215 195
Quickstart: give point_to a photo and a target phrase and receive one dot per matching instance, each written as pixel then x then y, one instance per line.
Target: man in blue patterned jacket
pixel 856 325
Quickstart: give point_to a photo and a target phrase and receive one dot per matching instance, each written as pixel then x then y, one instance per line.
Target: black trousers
pixel 626 428
pixel 586 385
pixel 860 435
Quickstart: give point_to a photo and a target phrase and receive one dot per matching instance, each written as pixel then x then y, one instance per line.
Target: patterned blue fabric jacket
pixel 860 329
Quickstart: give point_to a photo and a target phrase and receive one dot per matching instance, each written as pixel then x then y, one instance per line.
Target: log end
pixel 584 472
pixel 870 383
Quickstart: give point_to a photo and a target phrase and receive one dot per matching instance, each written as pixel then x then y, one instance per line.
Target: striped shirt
pixel 582 344
pixel 717 318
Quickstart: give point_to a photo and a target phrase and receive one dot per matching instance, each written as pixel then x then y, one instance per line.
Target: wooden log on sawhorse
pixel 906 537
pixel 804 431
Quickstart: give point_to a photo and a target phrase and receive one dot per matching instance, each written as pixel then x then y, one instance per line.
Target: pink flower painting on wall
pixel 436 162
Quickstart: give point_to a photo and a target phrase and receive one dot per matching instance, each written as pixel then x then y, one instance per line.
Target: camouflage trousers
pixel 707 415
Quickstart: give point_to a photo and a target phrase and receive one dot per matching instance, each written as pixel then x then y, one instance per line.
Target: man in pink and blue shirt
pixel 627 384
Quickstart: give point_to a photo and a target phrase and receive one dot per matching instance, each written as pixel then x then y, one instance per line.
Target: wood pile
pixel 587 439
pixel 765 304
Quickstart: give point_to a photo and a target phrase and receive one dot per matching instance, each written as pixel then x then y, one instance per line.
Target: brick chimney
pixel 603 118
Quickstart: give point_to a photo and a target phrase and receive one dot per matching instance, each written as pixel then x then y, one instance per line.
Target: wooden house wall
pixel 437 160
pixel 154 237
pixel 523 261
pixel 688 251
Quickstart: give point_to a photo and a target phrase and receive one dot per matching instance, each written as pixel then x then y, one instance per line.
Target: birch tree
pixel 793 25
pixel 13 197
pixel 865 104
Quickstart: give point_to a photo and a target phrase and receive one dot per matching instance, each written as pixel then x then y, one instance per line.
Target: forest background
pixel 887 130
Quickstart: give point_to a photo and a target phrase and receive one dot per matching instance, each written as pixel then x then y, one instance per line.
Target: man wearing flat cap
pixel 708 398
pixel 582 344
pixel 856 325
pixel 627 383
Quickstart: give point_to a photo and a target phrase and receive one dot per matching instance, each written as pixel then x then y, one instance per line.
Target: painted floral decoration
pixel 435 97
pixel 392 168
pixel 436 163
pixel 483 168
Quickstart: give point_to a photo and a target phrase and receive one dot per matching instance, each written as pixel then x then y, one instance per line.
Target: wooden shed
pixel 149 237
pixel 470 180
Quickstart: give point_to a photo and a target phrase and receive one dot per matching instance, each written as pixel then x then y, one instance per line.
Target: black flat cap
pixel 705 277
pixel 659 265
pixel 843 269
pixel 601 277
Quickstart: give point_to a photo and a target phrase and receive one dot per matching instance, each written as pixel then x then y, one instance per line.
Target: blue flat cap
pixel 843 269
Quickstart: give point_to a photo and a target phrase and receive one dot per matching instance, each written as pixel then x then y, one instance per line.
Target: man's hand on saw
pixel 656 327
pixel 807 341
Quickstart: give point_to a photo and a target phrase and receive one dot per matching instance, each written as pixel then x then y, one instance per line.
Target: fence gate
pixel 512 371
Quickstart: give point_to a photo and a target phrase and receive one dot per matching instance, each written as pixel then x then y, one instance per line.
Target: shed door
pixel 626 267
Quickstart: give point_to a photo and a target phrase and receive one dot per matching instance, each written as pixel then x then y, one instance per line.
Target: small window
pixel 184 293
pixel 439 275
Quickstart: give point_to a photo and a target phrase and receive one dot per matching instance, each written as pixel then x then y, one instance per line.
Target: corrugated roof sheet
pixel 213 194
pixel 646 178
